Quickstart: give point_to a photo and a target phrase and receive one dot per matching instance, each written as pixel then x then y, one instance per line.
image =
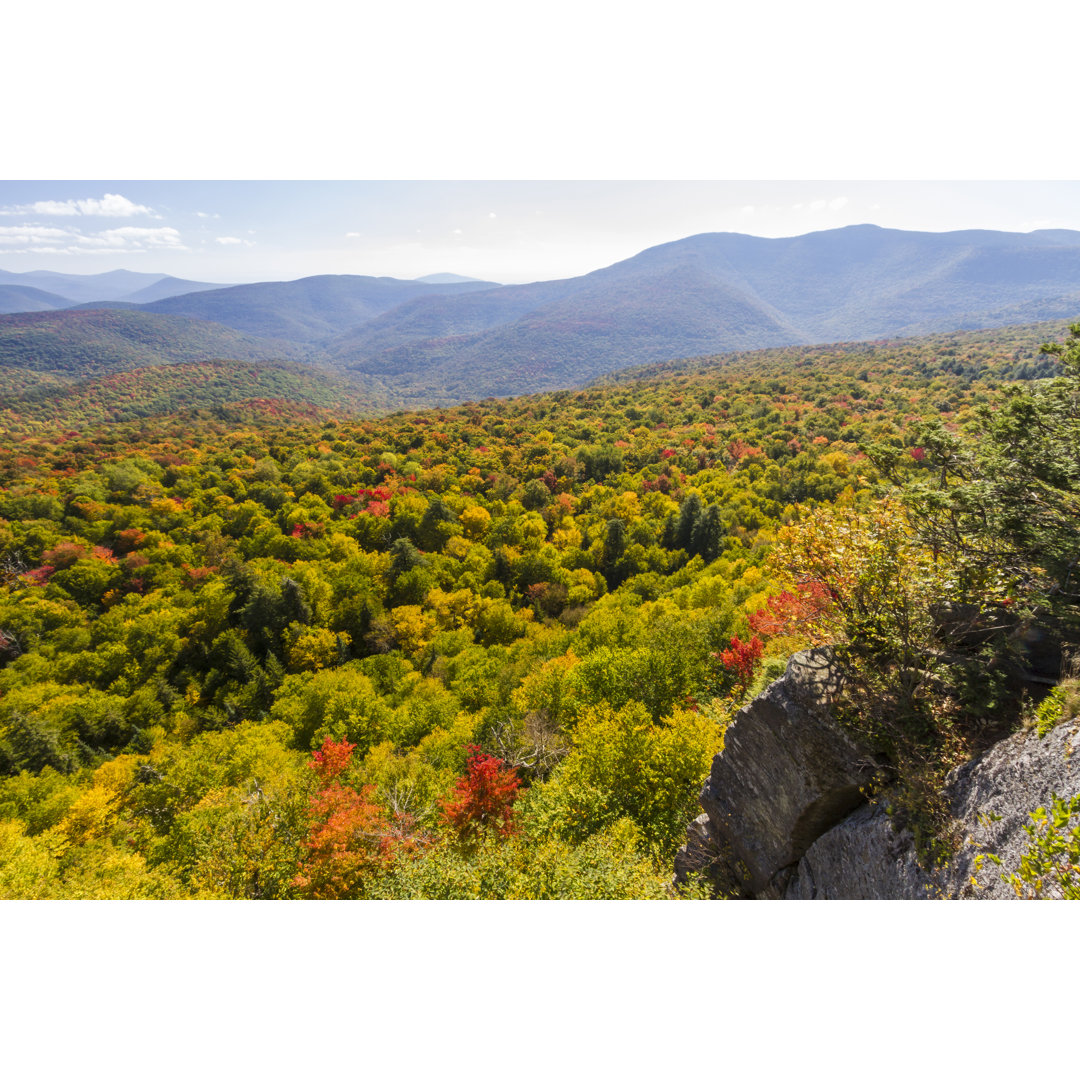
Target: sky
pixel 505 231
pixel 407 140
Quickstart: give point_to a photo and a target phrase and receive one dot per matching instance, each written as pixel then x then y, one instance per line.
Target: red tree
pixel 742 658
pixel 791 611
pixel 483 798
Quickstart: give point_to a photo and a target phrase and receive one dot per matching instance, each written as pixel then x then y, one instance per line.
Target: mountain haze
pixel 166 287
pixel 446 279
pixel 15 298
pixel 83 288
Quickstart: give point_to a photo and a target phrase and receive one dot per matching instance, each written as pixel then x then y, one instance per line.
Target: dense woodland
pixel 257 649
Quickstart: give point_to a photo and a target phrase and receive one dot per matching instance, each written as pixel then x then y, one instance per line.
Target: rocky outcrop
pixel 787 774
pixel 786 816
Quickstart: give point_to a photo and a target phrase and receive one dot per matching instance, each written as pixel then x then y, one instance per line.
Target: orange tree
pixel 350 837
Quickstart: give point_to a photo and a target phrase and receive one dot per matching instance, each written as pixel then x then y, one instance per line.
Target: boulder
pixel 707 855
pixel 993 796
pixel 865 857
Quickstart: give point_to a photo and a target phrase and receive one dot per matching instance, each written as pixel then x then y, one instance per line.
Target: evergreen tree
pixel 433 531
pixel 689 513
pixel 668 539
pixel 614 549
pixel 707 539
pixel 403 557
pixel 1007 502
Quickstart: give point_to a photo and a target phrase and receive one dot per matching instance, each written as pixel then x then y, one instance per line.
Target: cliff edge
pixel 786 815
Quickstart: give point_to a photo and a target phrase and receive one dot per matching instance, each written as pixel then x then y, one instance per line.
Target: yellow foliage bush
pixel 315 648
pixel 475 520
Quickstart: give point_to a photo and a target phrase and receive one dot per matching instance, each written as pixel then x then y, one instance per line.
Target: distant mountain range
pixel 44 290
pixel 445 339
pixel 719 292
pixel 447 279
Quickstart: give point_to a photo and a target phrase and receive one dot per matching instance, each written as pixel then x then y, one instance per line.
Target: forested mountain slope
pixel 307 310
pixel 29 404
pixel 93 342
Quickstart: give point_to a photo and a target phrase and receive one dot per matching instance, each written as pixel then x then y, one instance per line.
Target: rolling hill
pixel 280 389
pixel 77 344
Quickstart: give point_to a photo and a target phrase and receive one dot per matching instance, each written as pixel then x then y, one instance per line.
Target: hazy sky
pixel 507 231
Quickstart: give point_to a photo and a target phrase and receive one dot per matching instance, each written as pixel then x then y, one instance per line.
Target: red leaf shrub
pixel 732 669
pixel 742 658
pixel 790 611
pixel 331 759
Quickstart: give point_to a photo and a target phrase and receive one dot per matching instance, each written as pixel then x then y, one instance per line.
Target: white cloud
pixel 33 234
pixel 747 211
pixel 203 214
pixel 829 204
pixel 230 240
pixel 357 236
pixel 492 214
pixel 128 239
pixel 107 206
pixel 132 236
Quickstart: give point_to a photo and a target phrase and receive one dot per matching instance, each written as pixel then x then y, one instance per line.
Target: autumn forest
pixel 267 648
